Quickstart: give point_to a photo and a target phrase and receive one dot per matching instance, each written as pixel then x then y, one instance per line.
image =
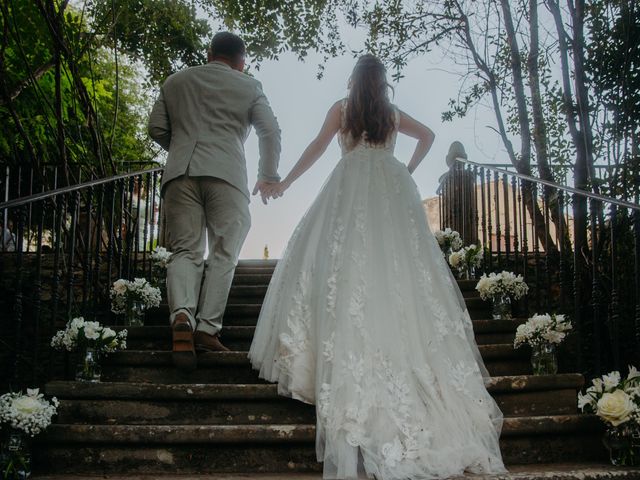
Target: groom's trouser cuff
pixel 209 326
pixel 192 320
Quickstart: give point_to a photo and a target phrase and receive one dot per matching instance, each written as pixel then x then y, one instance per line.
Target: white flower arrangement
pixel 449 240
pixel 614 400
pixel 125 292
pixel 466 257
pixel 542 330
pixel 30 413
pixel 503 283
pixel 80 333
pixel 160 257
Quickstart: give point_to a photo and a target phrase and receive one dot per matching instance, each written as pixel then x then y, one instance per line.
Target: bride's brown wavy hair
pixel 369 111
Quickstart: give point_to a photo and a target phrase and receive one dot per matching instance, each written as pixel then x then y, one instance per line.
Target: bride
pixel 363 317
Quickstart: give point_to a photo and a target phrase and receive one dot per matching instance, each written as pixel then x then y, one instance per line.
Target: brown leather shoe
pixel 184 352
pixel 208 343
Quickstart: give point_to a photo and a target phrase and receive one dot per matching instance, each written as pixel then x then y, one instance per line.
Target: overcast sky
pixel 300 102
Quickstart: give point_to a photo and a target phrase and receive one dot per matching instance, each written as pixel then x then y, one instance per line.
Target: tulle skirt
pixel 364 319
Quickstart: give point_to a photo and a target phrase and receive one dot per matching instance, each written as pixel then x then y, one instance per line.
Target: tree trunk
pixel 518 88
pixel 540 138
pixel 533 208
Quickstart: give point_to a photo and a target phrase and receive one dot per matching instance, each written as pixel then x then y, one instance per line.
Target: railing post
pixel 584 337
pixel 614 311
pixel 18 304
pixel 636 237
pixel 74 204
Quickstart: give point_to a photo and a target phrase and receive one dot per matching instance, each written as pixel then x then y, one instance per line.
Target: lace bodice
pixel 347 143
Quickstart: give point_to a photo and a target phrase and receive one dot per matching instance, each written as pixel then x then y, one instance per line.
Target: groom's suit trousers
pixel 201 210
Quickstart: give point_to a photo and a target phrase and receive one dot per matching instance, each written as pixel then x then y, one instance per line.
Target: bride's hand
pixel 279 189
pixel 266 189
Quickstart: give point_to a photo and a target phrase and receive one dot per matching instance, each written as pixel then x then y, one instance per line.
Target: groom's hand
pixel 267 190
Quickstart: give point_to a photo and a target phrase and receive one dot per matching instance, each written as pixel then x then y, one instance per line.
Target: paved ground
pixel 525 472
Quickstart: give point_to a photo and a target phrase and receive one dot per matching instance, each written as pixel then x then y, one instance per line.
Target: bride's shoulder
pixel 336 108
pixel 339 104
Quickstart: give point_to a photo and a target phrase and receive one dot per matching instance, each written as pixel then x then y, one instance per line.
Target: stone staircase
pixel 148 418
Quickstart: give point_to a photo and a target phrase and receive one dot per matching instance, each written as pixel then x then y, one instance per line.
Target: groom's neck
pixel 225 60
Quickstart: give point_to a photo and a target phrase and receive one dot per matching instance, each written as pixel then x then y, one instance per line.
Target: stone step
pixel 159 337
pixel 267 267
pixel 258 263
pixel 572 471
pixel 247 293
pixel 244 279
pixel 143 403
pixel 256 291
pixel 205 449
pixel 239 337
pixel 246 313
pixel 247 270
pixel 155 366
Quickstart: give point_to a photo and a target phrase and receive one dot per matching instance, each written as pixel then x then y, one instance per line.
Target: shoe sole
pixel 184 360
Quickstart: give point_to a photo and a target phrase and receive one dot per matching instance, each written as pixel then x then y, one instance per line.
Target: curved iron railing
pixel 60 250
pixel 578 250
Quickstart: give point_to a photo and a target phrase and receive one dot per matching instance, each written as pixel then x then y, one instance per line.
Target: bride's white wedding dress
pixel 364 319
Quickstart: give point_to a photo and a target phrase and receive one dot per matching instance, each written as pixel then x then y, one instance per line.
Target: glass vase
pixel 135 314
pixel 501 307
pixel 544 360
pixel 469 273
pixel 623 444
pixel 88 369
pixel 160 280
pixel 15 455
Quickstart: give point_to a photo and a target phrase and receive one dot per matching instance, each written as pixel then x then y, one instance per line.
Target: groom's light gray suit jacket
pixel 203 116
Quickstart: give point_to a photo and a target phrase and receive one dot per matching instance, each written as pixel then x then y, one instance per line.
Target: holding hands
pixel 269 189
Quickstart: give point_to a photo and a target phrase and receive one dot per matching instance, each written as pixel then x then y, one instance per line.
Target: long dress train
pixel 364 319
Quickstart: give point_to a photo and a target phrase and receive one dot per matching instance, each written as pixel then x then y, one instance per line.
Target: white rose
pixel 76 323
pixel 120 286
pixel 615 408
pixel 456 259
pixel 26 405
pixel 92 330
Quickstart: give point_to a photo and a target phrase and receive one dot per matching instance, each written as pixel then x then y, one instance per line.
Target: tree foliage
pixel 75 79
pixel 561 77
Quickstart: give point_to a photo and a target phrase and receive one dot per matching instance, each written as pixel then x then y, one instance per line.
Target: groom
pixel 202 118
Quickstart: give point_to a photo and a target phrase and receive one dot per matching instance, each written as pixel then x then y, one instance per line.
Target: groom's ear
pixel 209 55
pixel 240 64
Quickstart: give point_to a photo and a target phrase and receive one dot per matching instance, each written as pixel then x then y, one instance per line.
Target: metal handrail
pixel 576 191
pixel 16 202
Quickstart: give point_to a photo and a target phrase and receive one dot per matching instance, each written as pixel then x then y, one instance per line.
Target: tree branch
pixel 36 75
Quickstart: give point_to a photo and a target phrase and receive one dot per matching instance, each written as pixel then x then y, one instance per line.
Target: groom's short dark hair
pixel 227 45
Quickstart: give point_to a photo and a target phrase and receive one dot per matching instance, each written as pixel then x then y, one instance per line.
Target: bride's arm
pixel 317 147
pixel 424 134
